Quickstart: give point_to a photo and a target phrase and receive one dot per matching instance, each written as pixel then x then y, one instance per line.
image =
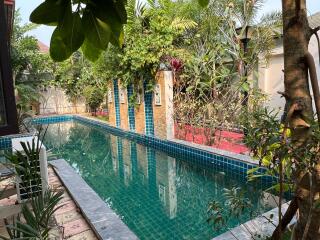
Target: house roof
pixel 314 20
pixel 42 47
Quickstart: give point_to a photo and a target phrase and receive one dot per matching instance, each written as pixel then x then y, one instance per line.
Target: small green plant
pixel 35 220
pixel 36 217
pixel 235 205
pixel 275 147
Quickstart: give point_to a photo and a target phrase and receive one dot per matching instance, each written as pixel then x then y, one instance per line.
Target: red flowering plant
pixel 176 66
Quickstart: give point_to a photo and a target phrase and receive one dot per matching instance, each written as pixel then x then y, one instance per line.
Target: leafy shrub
pixel 94 97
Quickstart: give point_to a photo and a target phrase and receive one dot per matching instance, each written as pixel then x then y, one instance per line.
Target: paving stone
pixel 8 201
pixel 65 197
pixel 55 234
pixel 3 232
pixel 67 217
pixel 75 227
pixel 66 207
pixel 55 184
pixel 87 235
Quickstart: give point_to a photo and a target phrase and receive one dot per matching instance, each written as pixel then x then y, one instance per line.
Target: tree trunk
pixel 296 36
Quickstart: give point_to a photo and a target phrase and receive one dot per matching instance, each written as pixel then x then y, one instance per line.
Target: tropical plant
pixel 150 37
pixel 234 207
pixel 91 25
pixel 76 76
pixel 31 68
pixel 94 97
pixel 35 220
pixel 297 153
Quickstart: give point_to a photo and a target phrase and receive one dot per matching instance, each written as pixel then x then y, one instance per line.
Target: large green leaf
pixel 121 10
pixel 47 12
pixel 203 3
pixel 90 51
pixel 106 12
pixel 59 51
pixel 71 29
pixel 97 32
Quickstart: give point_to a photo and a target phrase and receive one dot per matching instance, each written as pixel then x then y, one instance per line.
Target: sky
pixel 43 33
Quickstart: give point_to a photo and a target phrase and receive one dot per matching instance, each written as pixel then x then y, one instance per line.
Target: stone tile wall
pixel 156 116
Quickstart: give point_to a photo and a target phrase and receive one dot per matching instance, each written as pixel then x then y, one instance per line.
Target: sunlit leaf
pixel 47 13
pixel 71 29
pixel 97 32
pixel 90 51
pixel 59 51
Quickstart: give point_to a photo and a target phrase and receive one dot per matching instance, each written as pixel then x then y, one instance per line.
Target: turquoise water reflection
pixel 157 196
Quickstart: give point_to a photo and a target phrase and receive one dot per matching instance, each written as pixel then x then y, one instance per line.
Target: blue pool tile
pixel 175 149
pixel 116 102
pixel 148 108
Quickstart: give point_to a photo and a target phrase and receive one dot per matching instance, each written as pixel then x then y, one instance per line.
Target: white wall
pixel 271 78
pixel 55 101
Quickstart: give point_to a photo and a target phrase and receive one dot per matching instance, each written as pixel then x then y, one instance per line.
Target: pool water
pixel 156 195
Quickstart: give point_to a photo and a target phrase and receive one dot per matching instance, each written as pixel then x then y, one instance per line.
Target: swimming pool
pixel 158 195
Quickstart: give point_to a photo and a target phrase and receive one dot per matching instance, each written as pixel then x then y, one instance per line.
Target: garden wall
pixel 150 107
pixel 55 101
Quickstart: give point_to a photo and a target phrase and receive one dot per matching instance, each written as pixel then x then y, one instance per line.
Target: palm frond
pixel 180 23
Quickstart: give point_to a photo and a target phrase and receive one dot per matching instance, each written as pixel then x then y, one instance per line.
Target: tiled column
pixel 148 109
pixel 120 158
pixel 134 160
pixel 131 115
pixel 163 105
pixel 152 171
pixel 116 102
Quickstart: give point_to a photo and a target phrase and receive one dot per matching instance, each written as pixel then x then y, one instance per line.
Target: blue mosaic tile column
pixel 132 123
pixel 134 159
pixel 116 102
pixel 152 171
pixel 5 143
pixel 120 158
pixel 148 109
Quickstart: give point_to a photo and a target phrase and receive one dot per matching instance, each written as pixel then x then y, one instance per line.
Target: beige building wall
pixel 55 101
pixel 271 78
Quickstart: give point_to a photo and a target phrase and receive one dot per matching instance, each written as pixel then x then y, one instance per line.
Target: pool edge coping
pixel 105 223
pixel 263 224
pixel 213 150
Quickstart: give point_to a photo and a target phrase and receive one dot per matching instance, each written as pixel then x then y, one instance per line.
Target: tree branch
pixel 314 82
pixel 291 211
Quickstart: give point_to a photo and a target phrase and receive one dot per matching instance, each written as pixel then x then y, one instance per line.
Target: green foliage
pixel 150 37
pixel 234 206
pixel 31 68
pixel 77 73
pixel 28 63
pixel 94 97
pixel 272 143
pixel 90 24
pixel 25 163
pixel 35 219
